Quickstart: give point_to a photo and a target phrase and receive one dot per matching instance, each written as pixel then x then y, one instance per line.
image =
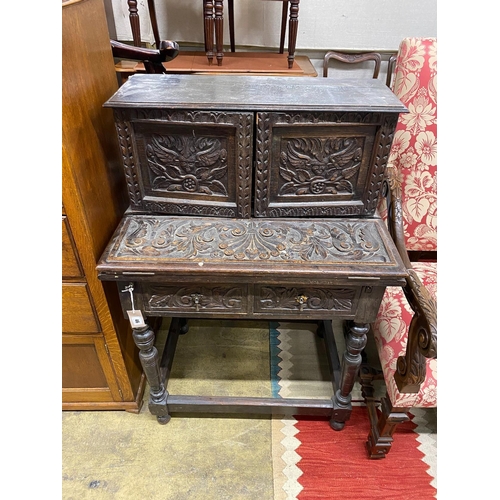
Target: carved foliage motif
pixel 382 150
pixel 315 166
pixel 319 242
pixel 338 299
pixel 196 298
pixel 188 164
pixel 181 208
pixel 126 148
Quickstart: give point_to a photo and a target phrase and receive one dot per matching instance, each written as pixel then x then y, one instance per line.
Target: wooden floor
pixel 233 63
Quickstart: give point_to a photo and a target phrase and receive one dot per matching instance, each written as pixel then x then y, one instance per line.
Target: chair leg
pixel 208 7
pixel 284 19
pixel 382 429
pixel 230 11
pixel 219 31
pixel 293 26
pixel 383 423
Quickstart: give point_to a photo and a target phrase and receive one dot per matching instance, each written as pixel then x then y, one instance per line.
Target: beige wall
pixel 323 24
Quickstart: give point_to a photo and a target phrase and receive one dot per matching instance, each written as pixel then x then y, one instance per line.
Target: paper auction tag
pixel 136 319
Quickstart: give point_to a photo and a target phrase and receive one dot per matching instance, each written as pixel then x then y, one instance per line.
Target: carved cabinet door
pixel 188 162
pixel 320 164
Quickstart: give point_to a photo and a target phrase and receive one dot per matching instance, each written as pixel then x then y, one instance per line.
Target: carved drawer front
pixel 193 299
pixel 320 164
pixel 306 300
pixel 188 162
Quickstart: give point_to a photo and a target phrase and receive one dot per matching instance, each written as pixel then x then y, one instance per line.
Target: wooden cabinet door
pixel 87 372
pixel 188 163
pixel 320 164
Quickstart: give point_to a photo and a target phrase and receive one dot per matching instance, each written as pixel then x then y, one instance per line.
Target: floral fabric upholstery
pixel 414 148
pixel 390 332
pixel 414 158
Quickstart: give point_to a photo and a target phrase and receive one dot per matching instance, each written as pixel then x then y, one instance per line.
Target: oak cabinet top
pixel 226 92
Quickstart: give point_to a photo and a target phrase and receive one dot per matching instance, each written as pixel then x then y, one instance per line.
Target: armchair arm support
pixel 152 58
pixel 422 333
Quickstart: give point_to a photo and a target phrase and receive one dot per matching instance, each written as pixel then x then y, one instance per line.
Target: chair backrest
pixel 352 58
pixel 414 149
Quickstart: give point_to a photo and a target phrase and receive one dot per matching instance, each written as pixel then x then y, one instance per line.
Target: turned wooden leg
pixel 183 326
pixel 382 429
pixel 219 33
pixel 209 29
pixel 293 27
pixel 144 339
pixel 351 361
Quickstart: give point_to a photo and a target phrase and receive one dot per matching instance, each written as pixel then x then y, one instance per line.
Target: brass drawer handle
pixel 301 299
pixel 197 299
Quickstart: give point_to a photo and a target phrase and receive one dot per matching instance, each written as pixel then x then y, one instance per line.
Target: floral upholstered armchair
pixel 405 331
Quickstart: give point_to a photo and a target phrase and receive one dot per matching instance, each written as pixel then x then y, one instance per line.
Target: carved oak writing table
pixel 252 197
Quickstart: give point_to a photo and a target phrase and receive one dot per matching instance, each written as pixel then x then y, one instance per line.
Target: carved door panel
pixel 188 162
pixel 320 164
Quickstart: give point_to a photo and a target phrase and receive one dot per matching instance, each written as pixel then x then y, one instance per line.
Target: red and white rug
pixel 312 462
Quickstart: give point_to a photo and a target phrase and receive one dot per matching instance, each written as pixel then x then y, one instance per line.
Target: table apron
pixel 253 301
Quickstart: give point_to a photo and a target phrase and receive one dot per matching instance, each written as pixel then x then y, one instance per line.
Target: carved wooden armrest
pixel 152 58
pixel 422 332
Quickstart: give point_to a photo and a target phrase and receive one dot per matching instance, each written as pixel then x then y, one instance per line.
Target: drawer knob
pixel 301 299
pixel 197 299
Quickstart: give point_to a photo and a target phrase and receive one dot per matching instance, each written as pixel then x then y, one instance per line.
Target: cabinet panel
pixel 187 162
pixel 87 373
pixel 319 164
pixel 81 367
pixel 78 315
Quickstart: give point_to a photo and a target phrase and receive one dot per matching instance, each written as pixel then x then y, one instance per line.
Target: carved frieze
pixel 319 242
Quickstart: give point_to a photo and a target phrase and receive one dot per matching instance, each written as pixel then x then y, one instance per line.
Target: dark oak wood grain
pixel 250 202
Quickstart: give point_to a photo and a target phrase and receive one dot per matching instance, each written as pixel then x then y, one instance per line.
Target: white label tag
pixel 136 319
